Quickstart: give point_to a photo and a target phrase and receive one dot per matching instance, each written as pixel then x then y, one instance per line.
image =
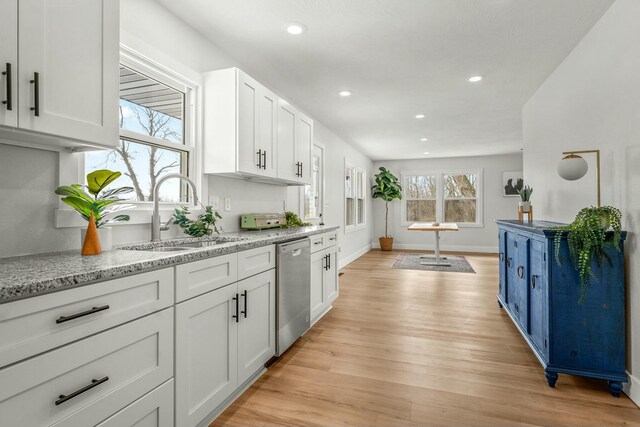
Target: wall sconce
pixel 573 167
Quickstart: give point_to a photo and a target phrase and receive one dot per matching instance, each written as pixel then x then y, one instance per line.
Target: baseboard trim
pixel 343 262
pixel 632 389
pixel 447 248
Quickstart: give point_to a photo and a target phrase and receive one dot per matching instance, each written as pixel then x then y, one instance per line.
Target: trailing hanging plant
pixel 525 193
pixel 203 225
pixel 100 201
pixel 388 189
pixel 587 239
pixel 294 220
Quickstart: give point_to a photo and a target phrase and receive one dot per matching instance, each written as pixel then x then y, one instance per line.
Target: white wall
pixel 495 206
pixel 592 101
pixel 28 177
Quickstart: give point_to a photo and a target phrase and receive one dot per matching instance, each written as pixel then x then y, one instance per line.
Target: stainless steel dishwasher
pixel 293 292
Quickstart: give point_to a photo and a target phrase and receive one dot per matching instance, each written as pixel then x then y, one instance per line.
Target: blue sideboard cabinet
pixel 541 297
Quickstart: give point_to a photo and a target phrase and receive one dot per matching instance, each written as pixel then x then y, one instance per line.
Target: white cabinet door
pixel 331 276
pixel 206 353
pixel 69 57
pixel 318 294
pixel 304 146
pixel 247 121
pixel 257 327
pixel 268 132
pixel 9 62
pixel 154 409
pixel 287 158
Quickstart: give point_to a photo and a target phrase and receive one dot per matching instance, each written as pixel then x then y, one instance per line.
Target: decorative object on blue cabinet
pixel 541 297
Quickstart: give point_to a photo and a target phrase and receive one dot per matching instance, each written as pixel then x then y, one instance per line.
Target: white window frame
pixel 315 220
pixel 354 187
pixel 439 174
pixel 72 165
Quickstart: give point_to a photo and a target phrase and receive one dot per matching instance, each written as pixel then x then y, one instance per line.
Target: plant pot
pixel 386 243
pixel 526 206
pixel 104 234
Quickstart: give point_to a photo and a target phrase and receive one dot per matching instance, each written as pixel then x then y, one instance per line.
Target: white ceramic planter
pixel 104 234
pixel 526 206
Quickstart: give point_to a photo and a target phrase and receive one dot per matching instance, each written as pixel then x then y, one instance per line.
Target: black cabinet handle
pixel 92 310
pixel 329 261
pixel 533 281
pixel 94 383
pixel 236 316
pixel 244 294
pixel 36 94
pixel 264 159
pixel 9 101
pixel 301 173
pixel 259 153
pixel 298 174
pixel 509 262
pixel 521 271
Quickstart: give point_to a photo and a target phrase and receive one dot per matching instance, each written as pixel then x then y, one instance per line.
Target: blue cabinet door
pixel 511 257
pixel 538 328
pixel 522 275
pixel 502 265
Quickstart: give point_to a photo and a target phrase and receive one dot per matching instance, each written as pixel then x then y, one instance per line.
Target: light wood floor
pixel 404 347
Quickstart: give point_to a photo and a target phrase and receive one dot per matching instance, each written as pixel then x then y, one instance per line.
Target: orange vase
pixel 91 245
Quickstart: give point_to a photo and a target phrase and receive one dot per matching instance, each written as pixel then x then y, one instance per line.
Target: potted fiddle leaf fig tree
pixel 587 238
pixel 388 189
pixel 94 197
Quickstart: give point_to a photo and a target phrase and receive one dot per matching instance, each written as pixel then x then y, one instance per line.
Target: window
pixel 313 194
pixel 154 137
pixel 355 196
pixel 452 196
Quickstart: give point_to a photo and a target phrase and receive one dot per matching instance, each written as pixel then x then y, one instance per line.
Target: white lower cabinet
pixel 324 281
pixel 155 409
pixel 222 339
pixel 83 383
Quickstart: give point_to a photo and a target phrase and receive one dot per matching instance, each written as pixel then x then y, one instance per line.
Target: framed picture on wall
pixel 512 183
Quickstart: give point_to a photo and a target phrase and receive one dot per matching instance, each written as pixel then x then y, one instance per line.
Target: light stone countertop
pixel 31 275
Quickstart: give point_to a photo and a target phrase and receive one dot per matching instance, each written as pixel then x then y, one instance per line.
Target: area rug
pixel 459 264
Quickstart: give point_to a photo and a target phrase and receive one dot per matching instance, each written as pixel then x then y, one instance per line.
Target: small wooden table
pixel 430 226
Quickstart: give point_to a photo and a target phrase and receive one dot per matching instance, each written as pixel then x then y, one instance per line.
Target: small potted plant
pixel 525 195
pixel 388 189
pixel 587 238
pixel 100 201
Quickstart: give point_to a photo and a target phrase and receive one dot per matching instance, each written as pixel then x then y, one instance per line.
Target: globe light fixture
pixel 573 167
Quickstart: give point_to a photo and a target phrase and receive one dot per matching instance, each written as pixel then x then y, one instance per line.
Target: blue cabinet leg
pixel 552 377
pixel 615 387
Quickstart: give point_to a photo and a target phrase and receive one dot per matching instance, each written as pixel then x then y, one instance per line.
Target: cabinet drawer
pixel 85 382
pixel 331 239
pixel 34 325
pixel 317 242
pixel 154 409
pixel 256 261
pixel 196 278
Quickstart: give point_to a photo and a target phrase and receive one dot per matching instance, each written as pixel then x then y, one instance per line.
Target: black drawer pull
pixel 9 101
pixel 521 271
pixel 319 242
pixel 264 159
pixel 533 281
pixel 237 300
pixel 259 153
pixel 94 383
pixel 36 94
pixel 93 310
pixel 244 294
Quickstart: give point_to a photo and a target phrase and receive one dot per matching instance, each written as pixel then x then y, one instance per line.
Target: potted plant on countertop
pixel 99 200
pixel 587 237
pixel 388 189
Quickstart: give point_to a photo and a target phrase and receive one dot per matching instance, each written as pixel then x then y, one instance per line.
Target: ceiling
pixel 401 58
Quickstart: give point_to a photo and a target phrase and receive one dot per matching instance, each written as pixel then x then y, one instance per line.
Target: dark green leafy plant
pixel 293 221
pixel 203 225
pixel 388 189
pixel 525 193
pixel 99 200
pixel 587 239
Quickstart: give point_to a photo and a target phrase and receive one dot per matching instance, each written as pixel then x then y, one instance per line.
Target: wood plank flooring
pixel 406 347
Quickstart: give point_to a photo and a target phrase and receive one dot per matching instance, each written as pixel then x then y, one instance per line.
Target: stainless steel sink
pixel 166 249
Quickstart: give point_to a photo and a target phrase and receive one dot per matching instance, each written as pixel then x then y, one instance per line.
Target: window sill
pixel 141 215
pixel 352 228
pixel 459 224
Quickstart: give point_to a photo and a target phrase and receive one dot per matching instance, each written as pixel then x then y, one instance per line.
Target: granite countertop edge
pixel 32 275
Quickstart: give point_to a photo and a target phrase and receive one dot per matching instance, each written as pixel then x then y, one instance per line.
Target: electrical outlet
pixel 214 202
pixel 227 204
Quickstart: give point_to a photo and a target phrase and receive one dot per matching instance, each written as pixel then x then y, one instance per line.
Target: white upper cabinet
pixel 8 63
pixel 67 74
pixel 251 132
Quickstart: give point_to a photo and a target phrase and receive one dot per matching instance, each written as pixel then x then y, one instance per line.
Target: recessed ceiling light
pixel 419 116
pixel 475 79
pixel 426 152
pixel 295 28
pixel 423 139
pixel 345 93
